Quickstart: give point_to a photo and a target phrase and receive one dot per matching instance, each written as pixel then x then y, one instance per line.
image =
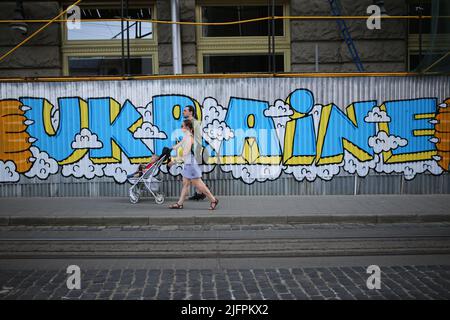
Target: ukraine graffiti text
pixel 253 140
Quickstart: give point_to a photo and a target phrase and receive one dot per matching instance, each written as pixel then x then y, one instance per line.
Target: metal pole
pixel 317 57
pixel 419 10
pixel 121 37
pixel 273 37
pixel 180 60
pixel 176 39
pixel 420 36
pixel 128 39
pixel 269 34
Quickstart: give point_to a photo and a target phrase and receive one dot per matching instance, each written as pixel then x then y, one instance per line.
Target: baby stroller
pixel 148 180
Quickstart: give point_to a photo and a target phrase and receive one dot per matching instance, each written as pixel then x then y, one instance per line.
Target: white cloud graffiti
pixel 43 165
pixel 218 130
pixel 410 169
pixel 214 128
pixel 119 171
pixel 8 172
pixel 384 142
pixel 311 172
pixel 254 172
pixel 279 109
pixel 86 140
pixel 149 131
pixel 353 165
pixel 146 112
pixel 376 115
pixel 212 110
pixel 84 168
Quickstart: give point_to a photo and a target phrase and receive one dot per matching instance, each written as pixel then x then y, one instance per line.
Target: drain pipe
pixel 176 38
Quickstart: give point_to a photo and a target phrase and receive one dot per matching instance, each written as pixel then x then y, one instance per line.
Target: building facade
pixel 95 47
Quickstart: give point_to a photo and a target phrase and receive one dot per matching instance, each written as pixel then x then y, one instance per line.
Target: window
pixel 101 66
pixel 240 63
pixel 434 46
pixel 239 13
pixel 241 47
pixel 110 30
pixel 95 47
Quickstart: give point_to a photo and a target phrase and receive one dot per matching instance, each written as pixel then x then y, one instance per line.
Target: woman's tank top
pixel 189 158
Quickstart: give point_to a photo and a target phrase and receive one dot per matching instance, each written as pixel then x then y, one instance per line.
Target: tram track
pixel 216 247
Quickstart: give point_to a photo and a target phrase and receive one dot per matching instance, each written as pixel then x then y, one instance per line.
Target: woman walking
pixel 191 171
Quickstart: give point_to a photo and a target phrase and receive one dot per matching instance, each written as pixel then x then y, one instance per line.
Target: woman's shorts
pixel 191 171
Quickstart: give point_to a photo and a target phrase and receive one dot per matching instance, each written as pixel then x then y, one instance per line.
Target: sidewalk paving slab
pixel 231 210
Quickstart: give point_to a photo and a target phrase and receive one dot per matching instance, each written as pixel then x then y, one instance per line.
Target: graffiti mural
pixel 253 140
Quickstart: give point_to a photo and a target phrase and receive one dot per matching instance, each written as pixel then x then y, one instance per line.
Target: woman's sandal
pixel 176 206
pixel 214 205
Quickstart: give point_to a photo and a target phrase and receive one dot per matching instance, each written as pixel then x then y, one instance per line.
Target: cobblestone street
pixel 203 262
pixel 408 282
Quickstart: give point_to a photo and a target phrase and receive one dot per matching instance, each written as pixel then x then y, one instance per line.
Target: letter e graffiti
pixel 74 280
pixel 374 21
pixel 73 18
pixel 374 280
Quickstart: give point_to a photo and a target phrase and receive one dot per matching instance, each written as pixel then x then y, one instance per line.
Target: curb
pixel 218 220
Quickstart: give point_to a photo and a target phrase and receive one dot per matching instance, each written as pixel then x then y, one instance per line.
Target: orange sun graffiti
pixel 15 141
pixel 442 133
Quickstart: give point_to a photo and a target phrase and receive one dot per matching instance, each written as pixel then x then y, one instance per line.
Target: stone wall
pixel 41 55
pixel 379 50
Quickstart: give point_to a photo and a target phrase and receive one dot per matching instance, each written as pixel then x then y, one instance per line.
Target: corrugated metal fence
pixel 431 177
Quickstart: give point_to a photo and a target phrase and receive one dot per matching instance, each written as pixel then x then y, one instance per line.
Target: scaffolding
pixel 432 62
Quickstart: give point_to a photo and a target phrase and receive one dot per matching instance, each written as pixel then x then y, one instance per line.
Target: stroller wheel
pixel 159 199
pixel 134 197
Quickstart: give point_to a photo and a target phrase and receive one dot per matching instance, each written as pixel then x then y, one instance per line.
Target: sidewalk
pixel 231 210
